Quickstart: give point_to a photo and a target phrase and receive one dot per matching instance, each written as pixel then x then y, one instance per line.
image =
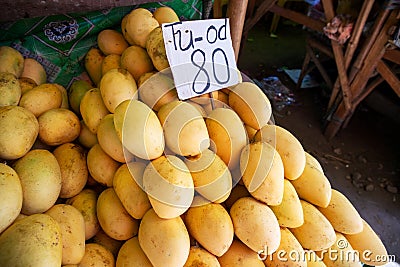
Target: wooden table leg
pixel 352 45
pixel 368 43
pixel 318 64
pixel 304 68
pixel 357 86
pixel 344 82
pixel 375 54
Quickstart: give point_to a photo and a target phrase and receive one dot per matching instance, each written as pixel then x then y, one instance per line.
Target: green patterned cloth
pixel 60 42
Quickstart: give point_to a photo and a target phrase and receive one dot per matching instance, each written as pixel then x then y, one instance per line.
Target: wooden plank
pixel 370 63
pixel 317 63
pixel 298 17
pixel 368 90
pixel 328 9
pixel 13 10
pixel 357 31
pixel 261 11
pixel 392 55
pixel 321 47
pixel 389 76
pixel 365 49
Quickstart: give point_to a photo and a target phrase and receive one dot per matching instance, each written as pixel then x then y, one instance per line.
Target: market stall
pixel 123 164
pixel 357 59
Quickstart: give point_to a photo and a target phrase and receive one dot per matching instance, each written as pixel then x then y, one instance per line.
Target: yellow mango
pixel 370 247
pixel 131 254
pixel 113 217
pixel 290 212
pixel 211 226
pixel 138 25
pixel 313 186
pixel 342 214
pixel 251 104
pixel 165 14
pixel 128 183
pixel 116 86
pixel 287 145
pixel 289 253
pixel 112 61
pixel 316 233
pixel 32 241
pixel 93 61
pixel 166 243
pixel 255 225
pixel 262 172
pixel 228 135
pixel 111 42
pixel 137 61
pixel 11 61
pixel 10 90
pixel 156 49
pixel 239 255
pixel 211 177
pixel 340 254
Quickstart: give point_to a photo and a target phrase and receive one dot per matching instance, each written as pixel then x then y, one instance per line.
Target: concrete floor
pixel 362 161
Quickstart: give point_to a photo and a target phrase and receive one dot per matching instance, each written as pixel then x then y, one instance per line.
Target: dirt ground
pixel 362 160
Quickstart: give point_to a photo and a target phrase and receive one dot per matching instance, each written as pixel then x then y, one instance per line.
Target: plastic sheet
pixel 279 95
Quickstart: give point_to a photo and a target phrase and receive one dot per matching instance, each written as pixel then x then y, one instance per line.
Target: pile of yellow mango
pixel 117 171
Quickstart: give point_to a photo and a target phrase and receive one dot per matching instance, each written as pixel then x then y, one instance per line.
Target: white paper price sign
pixel 200 55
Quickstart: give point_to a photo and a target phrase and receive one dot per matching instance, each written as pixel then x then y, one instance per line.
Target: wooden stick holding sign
pixel 200 55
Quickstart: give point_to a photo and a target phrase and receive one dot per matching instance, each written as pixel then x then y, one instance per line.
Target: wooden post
pixel 217 9
pixel 237 14
pixel 339 57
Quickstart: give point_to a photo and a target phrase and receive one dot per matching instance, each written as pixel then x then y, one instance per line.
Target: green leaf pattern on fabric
pixel 61 42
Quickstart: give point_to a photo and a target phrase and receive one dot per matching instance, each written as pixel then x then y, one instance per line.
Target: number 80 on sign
pixel 201 56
